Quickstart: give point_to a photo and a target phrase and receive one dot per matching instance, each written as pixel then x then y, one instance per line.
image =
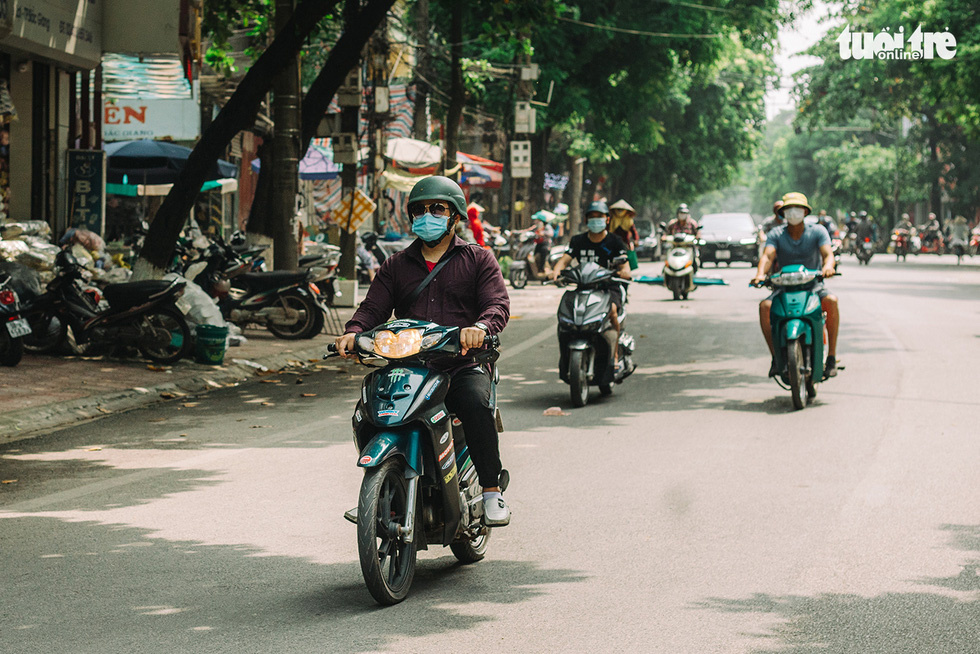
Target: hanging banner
pixel 86 190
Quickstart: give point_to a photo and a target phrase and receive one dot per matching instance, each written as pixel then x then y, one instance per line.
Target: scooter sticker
pixel 388 413
pixel 450 475
pixel 397 374
pixel 445 437
pixel 450 461
pixel 445 452
pixel 437 417
pixel 432 390
pixel 398 325
pixel 366 459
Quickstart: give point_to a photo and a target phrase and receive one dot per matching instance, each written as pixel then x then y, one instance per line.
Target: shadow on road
pixel 95 588
pixel 919 623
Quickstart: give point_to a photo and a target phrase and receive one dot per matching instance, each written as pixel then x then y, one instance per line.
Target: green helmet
pixel 439 188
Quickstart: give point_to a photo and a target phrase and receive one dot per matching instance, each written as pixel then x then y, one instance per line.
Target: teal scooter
pixel 798 333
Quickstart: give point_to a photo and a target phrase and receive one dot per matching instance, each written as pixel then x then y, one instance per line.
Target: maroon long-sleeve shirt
pixel 468 289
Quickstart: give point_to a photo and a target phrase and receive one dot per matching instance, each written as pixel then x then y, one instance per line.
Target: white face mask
pixel 794 215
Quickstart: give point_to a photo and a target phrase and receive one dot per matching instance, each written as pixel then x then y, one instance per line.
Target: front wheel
pixel 387 561
pixel 164 336
pixel 47 334
pixel 794 352
pixel 578 373
pixel 518 277
pixel 305 320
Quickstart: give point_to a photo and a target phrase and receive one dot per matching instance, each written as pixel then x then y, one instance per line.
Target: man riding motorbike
pixel 931 231
pixel 468 293
pixel 775 220
pixel 797 243
pixel 683 223
pixel 601 247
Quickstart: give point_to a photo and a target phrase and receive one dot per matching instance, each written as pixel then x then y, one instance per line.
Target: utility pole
pixel 348 175
pixel 420 117
pixel 285 154
pixel 377 118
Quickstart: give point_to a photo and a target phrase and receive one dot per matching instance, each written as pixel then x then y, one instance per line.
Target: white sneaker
pixel 496 513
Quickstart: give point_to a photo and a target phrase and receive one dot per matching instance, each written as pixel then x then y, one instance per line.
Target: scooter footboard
pixel 406 443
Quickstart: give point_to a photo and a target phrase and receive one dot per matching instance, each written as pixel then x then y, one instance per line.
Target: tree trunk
pixel 457 92
pixel 285 154
pixel 420 115
pixel 345 55
pixel 237 115
pixel 574 200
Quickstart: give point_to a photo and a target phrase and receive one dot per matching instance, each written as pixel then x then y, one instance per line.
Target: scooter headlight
pixel 793 278
pixel 397 346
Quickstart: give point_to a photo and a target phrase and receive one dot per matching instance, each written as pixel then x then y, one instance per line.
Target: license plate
pixel 723 254
pixel 18 328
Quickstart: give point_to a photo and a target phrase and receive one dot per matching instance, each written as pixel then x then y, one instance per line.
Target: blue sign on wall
pixel 86 190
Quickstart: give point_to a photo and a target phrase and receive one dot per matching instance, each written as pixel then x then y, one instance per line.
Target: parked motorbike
pixel 798 332
pixel 144 315
pixel 586 338
pixel 864 250
pixel 420 487
pixel 679 267
pixel 900 243
pixel 527 264
pixel 14 326
pixel 975 241
pixel 289 304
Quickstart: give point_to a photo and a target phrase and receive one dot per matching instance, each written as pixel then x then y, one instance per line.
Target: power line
pixel 639 32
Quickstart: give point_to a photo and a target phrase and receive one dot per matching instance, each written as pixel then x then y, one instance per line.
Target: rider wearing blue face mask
pixel 468 292
pixel 602 247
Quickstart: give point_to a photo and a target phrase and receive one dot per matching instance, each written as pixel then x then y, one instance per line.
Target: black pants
pixel 469 399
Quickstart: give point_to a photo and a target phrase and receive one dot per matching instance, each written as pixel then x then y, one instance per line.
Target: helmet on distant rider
pixel 439 188
pixel 794 199
pixel 598 207
pixel 683 208
pixel 776 206
pixel 862 214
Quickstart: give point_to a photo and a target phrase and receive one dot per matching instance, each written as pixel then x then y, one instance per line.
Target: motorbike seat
pixel 260 281
pixel 307 259
pixel 130 294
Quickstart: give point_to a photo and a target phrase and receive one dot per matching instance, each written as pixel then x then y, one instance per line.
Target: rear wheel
pixel 164 336
pixel 47 333
pixel 387 561
pixel 794 352
pixel 471 551
pixel 811 389
pixel 302 315
pixel 675 287
pixel 605 389
pixel 578 376
pixel 11 349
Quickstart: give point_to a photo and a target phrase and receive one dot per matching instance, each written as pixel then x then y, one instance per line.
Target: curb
pixel 27 423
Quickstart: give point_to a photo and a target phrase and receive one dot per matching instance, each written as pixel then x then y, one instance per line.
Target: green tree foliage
pixel 659 110
pixel 941 97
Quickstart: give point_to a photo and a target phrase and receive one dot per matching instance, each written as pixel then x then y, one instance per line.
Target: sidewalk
pixel 47 392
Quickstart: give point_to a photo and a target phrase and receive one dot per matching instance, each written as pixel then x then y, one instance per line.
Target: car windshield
pixel 643 227
pixel 727 225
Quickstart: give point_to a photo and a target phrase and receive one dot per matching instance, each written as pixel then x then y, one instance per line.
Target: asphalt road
pixel 692 511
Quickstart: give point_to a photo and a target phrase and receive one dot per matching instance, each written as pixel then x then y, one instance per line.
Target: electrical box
pixel 382 97
pixel 328 126
pixel 349 93
pixel 524 117
pixel 520 159
pixel 529 73
pixel 344 148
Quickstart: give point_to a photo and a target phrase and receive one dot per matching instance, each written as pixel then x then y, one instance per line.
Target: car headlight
pixel 396 346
